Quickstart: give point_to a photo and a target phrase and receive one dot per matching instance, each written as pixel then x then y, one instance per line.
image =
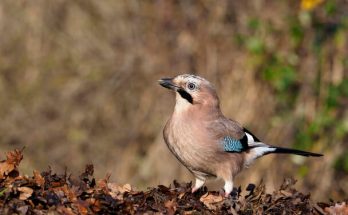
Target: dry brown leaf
pixel 117 191
pixel 96 205
pixel 25 192
pixel 23 209
pixel 5 168
pixel 171 206
pixel 233 211
pixel 39 180
pixel 127 188
pixel 64 210
pixel 102 184
pixel 82 209
pixel 211 201
pixel 114 190
pixel 316 206
pixel 338 209
pixel 286 193
pixel 181 195
pixel 56 184
pixel 81 197
pixel 14 157
pixel 69 193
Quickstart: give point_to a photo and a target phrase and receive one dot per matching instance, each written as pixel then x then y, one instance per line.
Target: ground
pixel 52 193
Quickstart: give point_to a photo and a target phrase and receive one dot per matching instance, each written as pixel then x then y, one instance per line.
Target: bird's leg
pixel 228 187
pixel 199 183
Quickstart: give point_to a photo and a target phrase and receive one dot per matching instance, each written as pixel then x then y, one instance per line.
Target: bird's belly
pixel 190 151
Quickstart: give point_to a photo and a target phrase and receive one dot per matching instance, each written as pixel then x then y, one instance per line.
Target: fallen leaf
pixel 211 201
pixel 82 208
pixel 23 209
pixel 14 157
pixel 181 195
pixel 286 193
pixel 69 193
pixel 102 184
pixel 39 180
pixel 127 188
pixel 64 210
pixel 51 193
pixel 25 192
pixel 96 206
pixel 5 168
pixel 338 209
pixel 171 206
pixel 117 191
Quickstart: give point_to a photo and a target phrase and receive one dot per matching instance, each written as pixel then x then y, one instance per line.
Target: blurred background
pixel 78 84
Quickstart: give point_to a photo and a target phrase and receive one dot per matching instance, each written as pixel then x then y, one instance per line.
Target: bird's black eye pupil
pixel 191 86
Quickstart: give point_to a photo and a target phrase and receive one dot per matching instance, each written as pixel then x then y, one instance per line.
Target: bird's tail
pixel 281 150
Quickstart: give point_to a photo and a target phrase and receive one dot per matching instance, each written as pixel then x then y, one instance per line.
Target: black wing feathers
pixel 244 142
pixel 255 138
pixel 281 150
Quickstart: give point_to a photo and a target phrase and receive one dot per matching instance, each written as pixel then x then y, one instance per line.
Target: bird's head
pixel 191 90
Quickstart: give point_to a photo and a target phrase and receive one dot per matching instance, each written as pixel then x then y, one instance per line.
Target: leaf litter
pixel 48 192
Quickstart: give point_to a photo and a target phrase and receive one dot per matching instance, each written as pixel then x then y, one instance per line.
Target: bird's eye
pixel 191 86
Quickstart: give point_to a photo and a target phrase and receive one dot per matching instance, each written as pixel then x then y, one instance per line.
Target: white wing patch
pixel 250 138
pixel 257 149
pixel 252 142
pixel 256 153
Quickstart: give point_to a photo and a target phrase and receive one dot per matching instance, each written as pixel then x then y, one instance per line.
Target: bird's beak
pixel 168 83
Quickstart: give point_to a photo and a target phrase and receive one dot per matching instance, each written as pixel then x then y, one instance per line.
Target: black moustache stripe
pixel 185 95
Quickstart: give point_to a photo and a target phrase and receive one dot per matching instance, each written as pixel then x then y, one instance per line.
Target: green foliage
pixel 275 69
pixel 330 7
pixel 296 31
pixel 255 45
pixel 280 75
pixel 333 95
pixel 279 69
pixel 325 120
pixel 341 163
pixel 303 170
pixel 3 191
pixel 254 23
pixel 336 93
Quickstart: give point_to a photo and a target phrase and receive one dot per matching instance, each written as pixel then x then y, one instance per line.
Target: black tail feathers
pixel 295 151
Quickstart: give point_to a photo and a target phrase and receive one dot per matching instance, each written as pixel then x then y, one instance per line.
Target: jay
pixel 206 142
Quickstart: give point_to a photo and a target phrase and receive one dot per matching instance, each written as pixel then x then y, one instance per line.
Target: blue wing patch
pixel 231 145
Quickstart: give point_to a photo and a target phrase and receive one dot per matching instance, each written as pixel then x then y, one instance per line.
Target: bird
pixel 206 142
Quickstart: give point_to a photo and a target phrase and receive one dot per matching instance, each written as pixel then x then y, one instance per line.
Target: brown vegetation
pixel 49 192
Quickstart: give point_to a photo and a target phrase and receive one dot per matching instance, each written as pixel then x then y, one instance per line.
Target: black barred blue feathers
pixel 232 145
